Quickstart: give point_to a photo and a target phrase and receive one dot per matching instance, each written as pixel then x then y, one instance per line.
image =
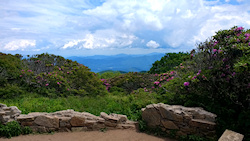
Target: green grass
pixel 129 105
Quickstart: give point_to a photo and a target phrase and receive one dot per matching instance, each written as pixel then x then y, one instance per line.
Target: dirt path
pixel 112 135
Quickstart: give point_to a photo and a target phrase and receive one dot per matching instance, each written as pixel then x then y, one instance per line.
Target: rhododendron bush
pixel 217 78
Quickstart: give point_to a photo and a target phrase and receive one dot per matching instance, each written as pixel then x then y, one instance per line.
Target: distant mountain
pixel 120 62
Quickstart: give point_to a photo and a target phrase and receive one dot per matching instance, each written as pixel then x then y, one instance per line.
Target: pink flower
pixel 220 51
pixel 215 43
pixel 29 70
pixel 58 83
pixel 67 72
pixel 60 69
pixel 20 75
pixel 239 29
pixel 153 87
pixel 214 50
pixel 156 82
pixel 67 89
pixel 186 83
pixel 47 84
pixel 233 74
pixel 156 74
pixel 249 43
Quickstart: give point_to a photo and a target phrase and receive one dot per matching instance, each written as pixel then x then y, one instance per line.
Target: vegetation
pixel 215 76
pixel 12 129
pixel 168 62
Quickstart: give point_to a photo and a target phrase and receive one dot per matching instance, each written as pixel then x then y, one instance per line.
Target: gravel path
pixel 112 135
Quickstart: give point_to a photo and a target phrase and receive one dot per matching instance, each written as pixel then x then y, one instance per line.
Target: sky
pixel 109 27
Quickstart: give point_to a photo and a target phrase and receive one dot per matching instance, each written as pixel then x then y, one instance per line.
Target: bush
pixel 216 77
pixel 12 129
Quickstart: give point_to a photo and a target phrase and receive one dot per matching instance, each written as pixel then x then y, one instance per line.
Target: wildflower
pixel 215 43
pixel 67 72
pixel 156 82
pixel 58 83
pixel 249 43
pixel 47 84
pixel 153 87
pixel 29 70
pixel 239 29
pixel 60 69
pixel 68 89
pixel 220 51
pixel 156 74
pixel 222 75
pixel 186 83
pixel 233 74
pixel 21 76
pixel 204 77
pixel 214 50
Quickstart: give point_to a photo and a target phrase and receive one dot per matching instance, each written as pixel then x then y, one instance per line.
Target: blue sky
pixel 107 27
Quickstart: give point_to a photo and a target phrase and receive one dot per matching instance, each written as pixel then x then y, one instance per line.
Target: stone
pixel 79 129
pixel 64 122
pixel 151 116
pixel 186 120
pixel 27 123
pixel 109 117
pixel 89 123
pixel 47 121
pixel 203 124
pixel 110 124
pixel 39 129
pixel 126 126
pixel 169 124
pixel 77 121
pixel 229 135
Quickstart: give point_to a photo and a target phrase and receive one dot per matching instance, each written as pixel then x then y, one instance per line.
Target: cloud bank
pixel 85 27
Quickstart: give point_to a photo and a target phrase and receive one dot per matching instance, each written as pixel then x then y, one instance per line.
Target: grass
pixel 129 105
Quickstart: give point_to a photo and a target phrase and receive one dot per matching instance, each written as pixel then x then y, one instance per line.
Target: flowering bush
pixel 217 78
pixel 50 75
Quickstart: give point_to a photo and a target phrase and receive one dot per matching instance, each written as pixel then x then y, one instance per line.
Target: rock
pixel 64 122
pixel 229 135
pixel 79 129
pixel 169 124
pixel 109 118
pixel 77 121
pixel 186 120
pixel 47 121
pixel 151 116
pixel 203 124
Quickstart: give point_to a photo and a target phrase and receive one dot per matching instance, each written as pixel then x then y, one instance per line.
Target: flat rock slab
pixel 229 135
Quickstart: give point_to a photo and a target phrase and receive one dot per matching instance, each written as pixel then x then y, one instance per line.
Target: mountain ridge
pixel 119 62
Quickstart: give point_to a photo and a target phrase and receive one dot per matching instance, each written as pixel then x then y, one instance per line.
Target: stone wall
pixel 8 114
pixel 183 120
pixel 65 121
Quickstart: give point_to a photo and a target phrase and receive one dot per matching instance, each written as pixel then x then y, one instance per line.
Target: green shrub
pixel 11 129
pixel 216 77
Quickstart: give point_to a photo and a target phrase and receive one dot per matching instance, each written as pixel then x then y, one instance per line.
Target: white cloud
pixel 152 44
pixel 19 45
pixel 80 24
pixel 102 39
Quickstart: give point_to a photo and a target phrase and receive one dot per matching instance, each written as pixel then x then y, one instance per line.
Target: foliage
pixel 47 75
pixel 12 129
pixel 109 74
pixel 168 62
pixel 217 78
